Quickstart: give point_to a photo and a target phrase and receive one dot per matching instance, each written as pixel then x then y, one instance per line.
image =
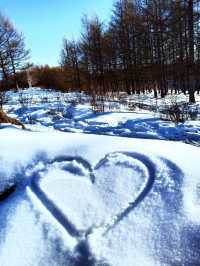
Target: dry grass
pixel 6 119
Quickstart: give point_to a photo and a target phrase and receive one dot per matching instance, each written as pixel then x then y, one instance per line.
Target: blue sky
pixel 45 22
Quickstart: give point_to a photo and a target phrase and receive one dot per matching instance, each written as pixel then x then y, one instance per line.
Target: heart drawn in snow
pixel 81 197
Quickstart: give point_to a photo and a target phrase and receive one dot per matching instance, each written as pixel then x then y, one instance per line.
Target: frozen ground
pixel 88 199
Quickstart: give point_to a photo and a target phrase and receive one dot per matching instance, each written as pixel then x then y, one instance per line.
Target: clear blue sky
pixel 45 23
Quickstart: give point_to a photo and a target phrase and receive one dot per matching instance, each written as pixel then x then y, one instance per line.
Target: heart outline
pixel 63 219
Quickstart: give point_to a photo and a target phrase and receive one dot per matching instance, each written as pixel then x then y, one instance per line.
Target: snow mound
pixel 98 200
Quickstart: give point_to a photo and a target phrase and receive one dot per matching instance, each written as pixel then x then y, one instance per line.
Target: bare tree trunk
pixel 191 50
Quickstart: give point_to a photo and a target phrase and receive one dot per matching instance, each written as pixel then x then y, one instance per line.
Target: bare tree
pixel 13 55
pixel 13 58
pixel 148 45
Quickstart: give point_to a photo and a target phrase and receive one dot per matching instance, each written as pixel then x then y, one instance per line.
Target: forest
pixel 146 46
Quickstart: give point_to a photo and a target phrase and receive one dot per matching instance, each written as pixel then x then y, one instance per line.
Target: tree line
pixel 147 46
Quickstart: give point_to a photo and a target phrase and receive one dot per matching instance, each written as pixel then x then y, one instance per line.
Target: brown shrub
pixel 6 119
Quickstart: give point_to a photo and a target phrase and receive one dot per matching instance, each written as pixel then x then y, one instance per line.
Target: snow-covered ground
pixel 91 199
pixel 43 111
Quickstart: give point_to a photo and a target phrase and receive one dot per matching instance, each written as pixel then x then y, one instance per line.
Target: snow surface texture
pixel 98 200
pixel 41 110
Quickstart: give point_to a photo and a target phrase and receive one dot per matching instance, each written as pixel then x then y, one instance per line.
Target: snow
pixel 66 112
pixel 100 199
pixel 92 199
